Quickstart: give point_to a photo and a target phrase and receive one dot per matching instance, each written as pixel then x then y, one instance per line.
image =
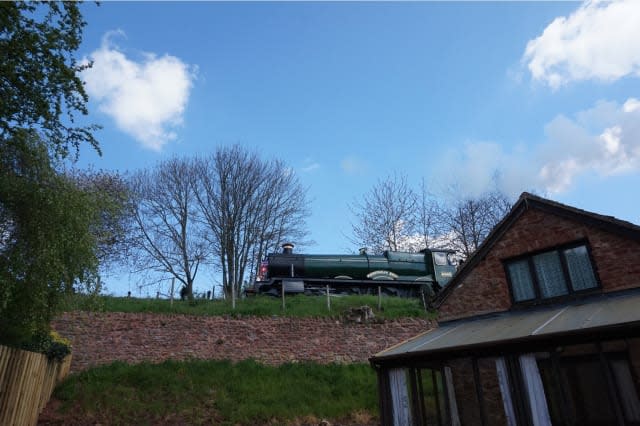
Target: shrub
pixel 52 345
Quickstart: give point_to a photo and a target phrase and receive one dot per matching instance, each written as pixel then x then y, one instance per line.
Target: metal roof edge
pixel 576 334
pixel 590 298
pixel 417 336
pixel 506 345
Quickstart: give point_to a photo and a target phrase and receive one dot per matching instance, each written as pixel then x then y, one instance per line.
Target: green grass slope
pixel 220 392
pixel 295 306
pixel 217 392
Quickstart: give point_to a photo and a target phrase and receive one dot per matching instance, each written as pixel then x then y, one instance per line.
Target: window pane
pixel 492 397
pixel 432 396
pixel 552 390
pixel 440 392
pixel 440 258
pixel 626 390
pixel 580 270
pixel 550 275
pixel 589 402
pixel 521 282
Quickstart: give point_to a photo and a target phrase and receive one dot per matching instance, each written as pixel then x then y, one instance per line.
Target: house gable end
pixel 535 225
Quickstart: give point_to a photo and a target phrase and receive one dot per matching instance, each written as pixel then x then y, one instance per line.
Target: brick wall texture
pixel 100 338
pixel 485 289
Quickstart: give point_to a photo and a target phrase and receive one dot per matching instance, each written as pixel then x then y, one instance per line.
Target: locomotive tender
pixel 393 273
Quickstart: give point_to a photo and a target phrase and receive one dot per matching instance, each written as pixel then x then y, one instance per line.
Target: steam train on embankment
pixel 392 273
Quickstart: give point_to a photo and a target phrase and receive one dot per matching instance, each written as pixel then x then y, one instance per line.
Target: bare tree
pixel 386 215
pixel 427 229
pixel 427 224
pixel 166 237
pixel 249 206
pixel 468 221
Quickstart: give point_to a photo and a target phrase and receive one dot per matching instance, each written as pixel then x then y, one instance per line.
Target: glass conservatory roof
pixel 584 316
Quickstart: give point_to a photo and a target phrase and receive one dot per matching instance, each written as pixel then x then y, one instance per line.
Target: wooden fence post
pixel 328 299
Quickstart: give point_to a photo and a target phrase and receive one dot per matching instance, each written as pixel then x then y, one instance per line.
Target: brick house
pixel 540 326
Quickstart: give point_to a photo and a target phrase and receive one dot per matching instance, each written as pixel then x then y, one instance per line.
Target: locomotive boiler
pixel 393 273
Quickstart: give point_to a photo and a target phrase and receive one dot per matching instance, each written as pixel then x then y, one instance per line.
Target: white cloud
pixel 353 165
pixel 575 147
pixel 631 105
pixel 481 165
pixel 309 165
pixel 604 140
pixel 145 98
pixel 415 242
pixel 598 41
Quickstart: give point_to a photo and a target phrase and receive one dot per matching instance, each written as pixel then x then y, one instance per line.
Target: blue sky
pixel 546 94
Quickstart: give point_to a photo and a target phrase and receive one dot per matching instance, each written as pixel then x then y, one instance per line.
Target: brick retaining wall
pixel 100 338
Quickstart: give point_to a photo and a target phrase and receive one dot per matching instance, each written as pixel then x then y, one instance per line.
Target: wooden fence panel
pixel 48 384
pixel 4 360
pixel 27 380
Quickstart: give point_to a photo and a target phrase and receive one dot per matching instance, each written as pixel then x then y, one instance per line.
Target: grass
pixel 295 306
pixel 219 392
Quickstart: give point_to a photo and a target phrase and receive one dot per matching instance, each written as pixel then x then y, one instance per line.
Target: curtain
pixel 451 396
pixel 503 381
pixel 521 280
pixel 550 275
pixel 535 390
pixel 580 270
pixel 400 397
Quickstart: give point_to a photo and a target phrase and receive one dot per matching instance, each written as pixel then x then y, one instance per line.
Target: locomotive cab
pixel 444 265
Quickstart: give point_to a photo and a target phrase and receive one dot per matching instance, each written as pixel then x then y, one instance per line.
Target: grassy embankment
pixel 218 392
pixel 295 306
pixel 213 392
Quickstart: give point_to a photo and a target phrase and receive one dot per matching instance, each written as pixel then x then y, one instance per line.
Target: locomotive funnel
pixel 287 248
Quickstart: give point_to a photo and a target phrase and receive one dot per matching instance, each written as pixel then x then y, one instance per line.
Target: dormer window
pixel 552 273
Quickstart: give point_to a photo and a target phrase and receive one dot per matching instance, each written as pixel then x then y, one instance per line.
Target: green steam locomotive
pixel 393 273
